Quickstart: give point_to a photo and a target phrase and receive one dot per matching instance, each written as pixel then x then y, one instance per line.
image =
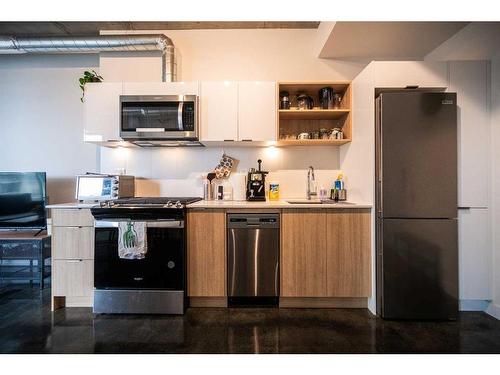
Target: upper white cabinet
pixel 228 111
pixel 160 88
pixel 102 111
pixel 219 111
pixel 469 80
pixel 257 111
pixel 238 111
pixel 410 73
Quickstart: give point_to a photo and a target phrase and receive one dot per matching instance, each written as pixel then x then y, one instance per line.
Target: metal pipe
pixel 96 44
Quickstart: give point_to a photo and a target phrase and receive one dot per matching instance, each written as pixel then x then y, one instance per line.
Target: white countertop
pixel 283 203
pixel 72 205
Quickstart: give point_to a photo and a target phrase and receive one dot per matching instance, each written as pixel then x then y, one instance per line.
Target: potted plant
pixel 91 76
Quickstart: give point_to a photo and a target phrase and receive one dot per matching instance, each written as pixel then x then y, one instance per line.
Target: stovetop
pixel 154 208
pixel 150 202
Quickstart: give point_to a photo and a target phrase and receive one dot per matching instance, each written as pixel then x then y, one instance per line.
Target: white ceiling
pixel 476 41
pixel 386 40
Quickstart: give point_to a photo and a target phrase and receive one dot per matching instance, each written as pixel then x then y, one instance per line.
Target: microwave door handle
pixel 179 116
pixel 149 130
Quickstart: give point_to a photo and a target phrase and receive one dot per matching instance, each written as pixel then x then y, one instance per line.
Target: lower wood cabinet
pixel 206 253
pixel 73 277
pixel 325 253
pixel 72 243
pixel 303 253
pixel 72 257
pixel 348 254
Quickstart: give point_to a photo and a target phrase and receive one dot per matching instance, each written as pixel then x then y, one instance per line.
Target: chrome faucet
pixel 311 183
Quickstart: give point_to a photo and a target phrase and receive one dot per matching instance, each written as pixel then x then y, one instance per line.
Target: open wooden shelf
pixel 293 121
pixel 313 142
pixel 312 114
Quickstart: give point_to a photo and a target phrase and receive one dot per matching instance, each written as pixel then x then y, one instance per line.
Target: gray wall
pixel 41 119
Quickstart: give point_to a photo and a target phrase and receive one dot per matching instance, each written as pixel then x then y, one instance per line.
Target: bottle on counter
pixel 338 192
pixel 220 192
pixel 207 189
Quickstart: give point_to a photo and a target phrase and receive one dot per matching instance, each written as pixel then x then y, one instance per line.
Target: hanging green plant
pixel 91 76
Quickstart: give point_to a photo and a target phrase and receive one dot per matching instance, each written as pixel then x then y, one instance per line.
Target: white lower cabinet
pixel 73 277
pixel 72 257
pixel 475 256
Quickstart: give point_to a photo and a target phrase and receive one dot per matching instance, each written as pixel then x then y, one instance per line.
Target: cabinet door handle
pixel 246 140
pixel 228 140
pixel 75 260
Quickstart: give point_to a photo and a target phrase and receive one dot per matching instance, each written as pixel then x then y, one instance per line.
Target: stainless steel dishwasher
pixel 253 259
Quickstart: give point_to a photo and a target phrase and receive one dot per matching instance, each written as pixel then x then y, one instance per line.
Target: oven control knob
pixel 170 204
pixel 171 264
pixel 178 204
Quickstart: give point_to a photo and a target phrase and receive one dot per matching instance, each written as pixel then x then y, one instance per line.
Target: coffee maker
pixel 256 184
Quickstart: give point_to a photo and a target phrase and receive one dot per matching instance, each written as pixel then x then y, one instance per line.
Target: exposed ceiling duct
pixel 96 44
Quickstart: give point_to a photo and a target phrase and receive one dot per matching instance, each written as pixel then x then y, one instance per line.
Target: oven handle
pixel 149 224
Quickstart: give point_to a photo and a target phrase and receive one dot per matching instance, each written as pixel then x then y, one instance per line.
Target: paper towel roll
pixel 238 181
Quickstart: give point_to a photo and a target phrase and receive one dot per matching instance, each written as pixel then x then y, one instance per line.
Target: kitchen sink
pixel 304 202
pixel 317 202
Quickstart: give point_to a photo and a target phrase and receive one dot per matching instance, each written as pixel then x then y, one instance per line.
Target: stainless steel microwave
pixel 159 117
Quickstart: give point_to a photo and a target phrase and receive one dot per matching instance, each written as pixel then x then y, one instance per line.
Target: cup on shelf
pixel 304 136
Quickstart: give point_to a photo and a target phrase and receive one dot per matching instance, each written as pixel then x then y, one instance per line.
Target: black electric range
pixel 154 284
pixel 143 208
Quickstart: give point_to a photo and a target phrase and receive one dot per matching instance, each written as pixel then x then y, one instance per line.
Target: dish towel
pixel 132 240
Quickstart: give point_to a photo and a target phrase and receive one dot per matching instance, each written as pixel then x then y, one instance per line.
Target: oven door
pixel 159 117
pixel 162 268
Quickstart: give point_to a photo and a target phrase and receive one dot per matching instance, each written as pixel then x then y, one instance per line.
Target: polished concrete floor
pixel 28 326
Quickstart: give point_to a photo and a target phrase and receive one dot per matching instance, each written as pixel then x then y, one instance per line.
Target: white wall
pixel 41 119
pixel 245 55
pixel 286 55
pixel 179 171
pixel 494 308
pixel 41 115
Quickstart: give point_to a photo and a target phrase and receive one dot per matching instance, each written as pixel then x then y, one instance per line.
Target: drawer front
pixel 73 278
pixel 72 217
pixel 73 243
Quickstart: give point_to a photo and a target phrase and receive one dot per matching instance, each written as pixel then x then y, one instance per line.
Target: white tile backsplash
pixel 179 171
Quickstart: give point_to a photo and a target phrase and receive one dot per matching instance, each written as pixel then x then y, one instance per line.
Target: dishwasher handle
pixel 253 221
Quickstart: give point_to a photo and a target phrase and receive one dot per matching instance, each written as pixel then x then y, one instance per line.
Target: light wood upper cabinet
pixel 102 112
pixel 303 253
pixel 219 111
pixel 160 88
pixel 206 253
pixel 348 253
pixel 257 110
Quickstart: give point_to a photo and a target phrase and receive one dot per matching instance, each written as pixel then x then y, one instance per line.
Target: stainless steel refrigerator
pixel 416 205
